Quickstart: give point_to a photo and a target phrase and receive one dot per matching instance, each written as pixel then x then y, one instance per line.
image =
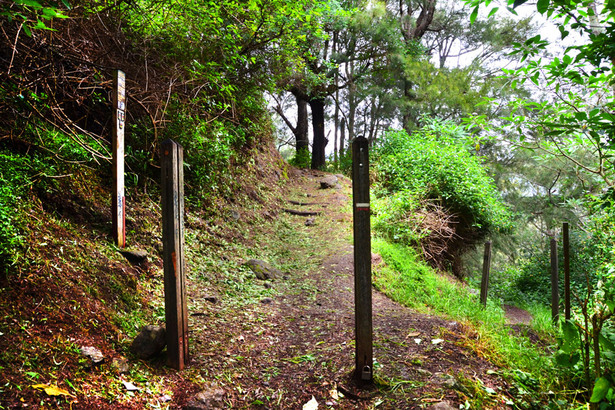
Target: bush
pixel 302 159
pixel 440 168
pixel 432 191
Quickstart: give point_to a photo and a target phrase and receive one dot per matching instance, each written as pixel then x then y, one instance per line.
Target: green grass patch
pixel 408 280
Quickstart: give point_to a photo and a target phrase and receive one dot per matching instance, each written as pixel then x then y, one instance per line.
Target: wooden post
pixel 175 302
pixel 484 284
pixel 119 120
pixel 554 282
pixel 566 244
pixel 362 262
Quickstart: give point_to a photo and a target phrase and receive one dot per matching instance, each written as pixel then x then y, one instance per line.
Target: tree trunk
pixel 317 106
pixel 302 141
pixel 343 138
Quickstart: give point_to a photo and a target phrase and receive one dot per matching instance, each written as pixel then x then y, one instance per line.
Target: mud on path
pixel 282 350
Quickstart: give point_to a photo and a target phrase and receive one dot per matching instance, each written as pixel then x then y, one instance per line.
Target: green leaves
pixel 436 165
pixel 542 6
pixel 601 388
pixel 32 14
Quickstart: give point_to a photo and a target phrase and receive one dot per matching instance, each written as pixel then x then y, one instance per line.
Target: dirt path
pixel 281 351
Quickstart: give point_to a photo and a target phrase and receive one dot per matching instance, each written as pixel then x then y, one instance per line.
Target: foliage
pixel 32 14
pixel 433 192
pixel 396 217
pixel 440 167
pixel 588 340
pixel 575 116
pixel 302 159
pixel 13 184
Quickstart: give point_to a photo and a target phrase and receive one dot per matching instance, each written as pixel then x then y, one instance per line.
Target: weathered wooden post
pixel 119 121
pixel 566 244
pixel 484 284
pixel 362 261
pixel 175 302
pixel 554 282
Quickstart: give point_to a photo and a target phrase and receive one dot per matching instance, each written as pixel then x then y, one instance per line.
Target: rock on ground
pixel 328 182
pixel 263 270
pixel 210 398
pixel 136 257
pixel 149 342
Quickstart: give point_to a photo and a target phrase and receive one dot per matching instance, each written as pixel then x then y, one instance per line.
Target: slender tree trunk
pixel 342 138
pixel 301 131
pixel 407 121
pixel 337 106
pixel 352 101
pixel 317 106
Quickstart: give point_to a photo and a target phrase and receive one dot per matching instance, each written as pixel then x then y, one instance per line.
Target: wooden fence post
pixel 484 284
pixel 362 261
pixel 119 121
pixel 176 307
pixel 554 282
pixel 566 244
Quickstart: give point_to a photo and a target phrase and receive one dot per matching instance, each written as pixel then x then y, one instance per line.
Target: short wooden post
pixel 362 262
pixel 119 121
pixel 554 282
pixel 566 244
pixel 484 284
pixel 175 302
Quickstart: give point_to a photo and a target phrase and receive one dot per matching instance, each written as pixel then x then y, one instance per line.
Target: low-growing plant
pixel 302 159
pixel 14 181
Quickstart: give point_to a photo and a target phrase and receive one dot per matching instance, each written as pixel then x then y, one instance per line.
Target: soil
pixel 277 352
pixel 300 344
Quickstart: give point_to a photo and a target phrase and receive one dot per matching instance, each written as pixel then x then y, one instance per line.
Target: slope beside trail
pixel 298 344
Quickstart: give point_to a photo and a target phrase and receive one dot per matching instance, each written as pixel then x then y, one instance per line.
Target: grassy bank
pixel 521 352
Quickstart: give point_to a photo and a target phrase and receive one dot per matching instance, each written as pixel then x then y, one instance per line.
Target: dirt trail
pixel 282 351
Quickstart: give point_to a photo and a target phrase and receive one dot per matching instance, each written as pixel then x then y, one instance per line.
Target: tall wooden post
pixel 119 121
pixel 484 284
pixel 175 302
pixel 554 282
pixel 566 244
pixel 362 262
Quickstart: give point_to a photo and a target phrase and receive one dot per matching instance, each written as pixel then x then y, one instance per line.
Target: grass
pixel 409 281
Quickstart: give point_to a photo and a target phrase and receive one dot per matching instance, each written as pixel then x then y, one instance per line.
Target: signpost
pixel 362 262
pixel 119 121
pixel 175 302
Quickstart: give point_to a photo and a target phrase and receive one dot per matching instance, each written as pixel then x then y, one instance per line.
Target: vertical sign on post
pixel 554 282
pixel 484 284
pixel 566 244
pixel 119 121
pixel 362 261
pixel 175 303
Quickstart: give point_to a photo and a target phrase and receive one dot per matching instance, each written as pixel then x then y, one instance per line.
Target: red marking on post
pixel 174 258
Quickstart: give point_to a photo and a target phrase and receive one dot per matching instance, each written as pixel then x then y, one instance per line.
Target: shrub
pixel 441 169
pixel 302 159
pixel 432 191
